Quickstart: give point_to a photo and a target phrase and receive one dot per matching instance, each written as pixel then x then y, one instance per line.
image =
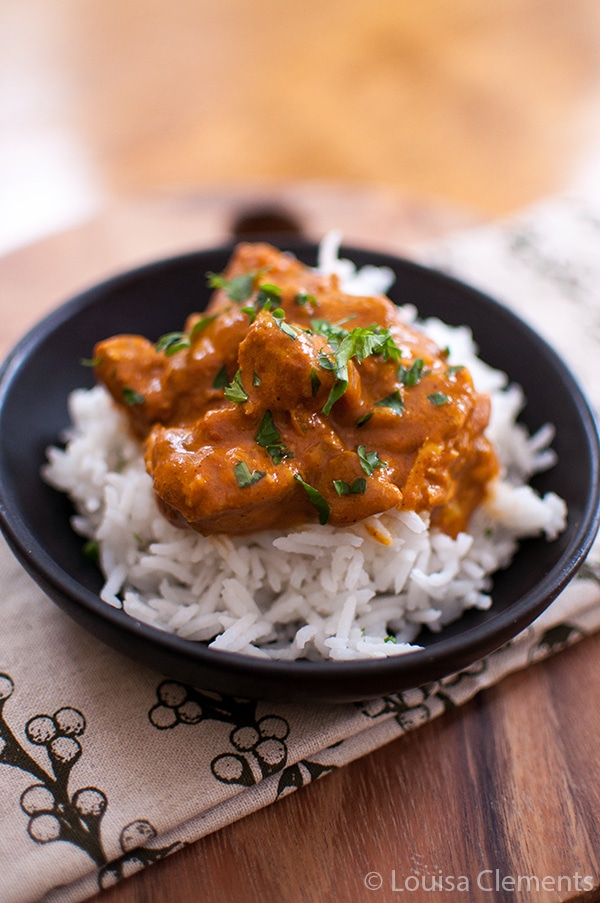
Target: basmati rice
pixel 363 591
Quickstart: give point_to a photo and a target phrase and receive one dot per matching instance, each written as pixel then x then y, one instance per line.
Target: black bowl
pixel 45 366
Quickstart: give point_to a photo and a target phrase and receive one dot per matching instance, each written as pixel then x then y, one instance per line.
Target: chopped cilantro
pixel 358 487
pixel 172 342
pixel 279 317
pixel 91 550
pixel 392 401
pixel 452 371
pixel 315 382
pixel 238 289
pixel 438 398
pixel 235 390
pixel 316 499
pixel 267 294
pixel 221 379
pixel 364 419
pixel 359 343
pixel 131 397
pixel 369 460
pixel 246 478
pixel 410 376
pixel 90 362
pixel 303 298
pixel 269 437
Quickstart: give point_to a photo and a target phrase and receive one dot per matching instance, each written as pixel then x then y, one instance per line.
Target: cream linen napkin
pixel 106 767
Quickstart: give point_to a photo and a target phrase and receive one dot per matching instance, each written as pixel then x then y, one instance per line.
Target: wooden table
pixel 506 786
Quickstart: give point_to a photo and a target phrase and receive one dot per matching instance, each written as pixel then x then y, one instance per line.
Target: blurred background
pixel 482 105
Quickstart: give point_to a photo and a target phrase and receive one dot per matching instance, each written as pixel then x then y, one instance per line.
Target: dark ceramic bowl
pixel 45 366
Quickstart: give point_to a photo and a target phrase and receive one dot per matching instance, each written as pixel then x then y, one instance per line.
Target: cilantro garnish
pixel 131 397
pixel 238 289
pixel 279 317
pixel 316 499
pixel 221 379
pixel 456 368
pixel 364 419
pixel 245 477
pixel 267 295
pixel 438 398
pixel 303 298
pixel 360 343
pixel 90 362
pixel 410 376
pixel 392 401
pixel 269 437
pixel 91 550
pixel 315 382
pixel 172 342
pixel 369 460
pixel 235 390
pixel 358 487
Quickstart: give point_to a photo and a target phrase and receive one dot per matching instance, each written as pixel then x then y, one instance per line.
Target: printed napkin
pixel 106 767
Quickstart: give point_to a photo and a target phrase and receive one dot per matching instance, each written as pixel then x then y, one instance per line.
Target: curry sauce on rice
pixel 289 395
pixel 305 470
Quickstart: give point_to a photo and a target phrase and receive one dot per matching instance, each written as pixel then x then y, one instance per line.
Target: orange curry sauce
pixel 288 401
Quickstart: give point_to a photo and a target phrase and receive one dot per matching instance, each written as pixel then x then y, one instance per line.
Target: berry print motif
pixel 53 812
pixel 258 745
pixel 412 708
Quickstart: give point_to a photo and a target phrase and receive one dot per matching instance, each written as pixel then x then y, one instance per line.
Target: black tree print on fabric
pixel 414 707
pixel 258 745
pixel 56 814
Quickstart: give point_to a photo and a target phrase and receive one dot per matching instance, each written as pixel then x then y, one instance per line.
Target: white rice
pixel 317 591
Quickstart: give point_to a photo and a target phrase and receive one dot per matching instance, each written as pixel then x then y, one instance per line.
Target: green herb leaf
pixel 452 371
pixel 255 378
pixel 235 390
pixel 267 295
pixel 358 487
pixel 364 419
pixel 279 317
pixel 302 299
pixel 315 382
pixel 438 398
pixel 267 433
pixel 369 460
pixel 91 550
pixel 90 361
pixel 410 376
pixel 392 401
pixel 131 397
pixel 238 289
pixel 251 311
pixel 172 342
pixel 269 437
pixel 337 390
pixel 246 478
pixel 221 379
pixel 360 343
pixel 201 324
pixel 316 499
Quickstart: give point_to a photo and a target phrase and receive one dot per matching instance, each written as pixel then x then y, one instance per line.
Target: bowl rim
pixel 469 644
